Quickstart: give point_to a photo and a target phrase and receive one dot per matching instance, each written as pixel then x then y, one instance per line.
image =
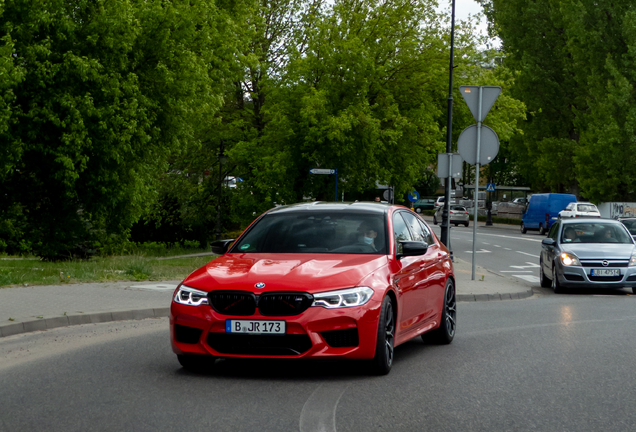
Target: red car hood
pixel 304 272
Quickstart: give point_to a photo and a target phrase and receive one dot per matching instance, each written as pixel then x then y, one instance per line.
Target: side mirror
pixel 548 242
pixel 219 247
pixel 413 248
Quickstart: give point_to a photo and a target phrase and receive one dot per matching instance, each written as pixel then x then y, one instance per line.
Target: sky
pixel 463 8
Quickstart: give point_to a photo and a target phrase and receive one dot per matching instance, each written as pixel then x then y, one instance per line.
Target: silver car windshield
pixel 594 233
pixel 316 232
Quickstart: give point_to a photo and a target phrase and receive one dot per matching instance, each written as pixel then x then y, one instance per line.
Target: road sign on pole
pixel 414 196
pixel 475 101
pixel 327 171
pixel 490 187
pixel 443 165
pixel 488 145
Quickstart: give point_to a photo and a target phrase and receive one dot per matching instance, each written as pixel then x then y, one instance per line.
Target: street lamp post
pixel 445 234
pixel 222 159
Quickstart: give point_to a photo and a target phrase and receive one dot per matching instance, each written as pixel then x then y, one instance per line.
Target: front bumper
pixel 574 276
pixel 316 333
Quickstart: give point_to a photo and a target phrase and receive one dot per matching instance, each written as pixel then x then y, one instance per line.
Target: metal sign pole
pixel 476 194
pixel 335 197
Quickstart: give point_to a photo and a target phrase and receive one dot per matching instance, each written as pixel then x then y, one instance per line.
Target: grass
pixel 106 269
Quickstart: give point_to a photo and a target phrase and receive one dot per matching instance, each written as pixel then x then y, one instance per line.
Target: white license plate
pixel 255 326
pixel 605 272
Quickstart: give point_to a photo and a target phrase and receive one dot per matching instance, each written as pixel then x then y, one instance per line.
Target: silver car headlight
pixel 190 296
pixel 569 259
pixel 632 260
pixel 349 297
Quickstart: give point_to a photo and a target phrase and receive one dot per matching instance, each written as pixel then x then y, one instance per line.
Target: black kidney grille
pixel 284 303
pixel 233 302
pixel 341 338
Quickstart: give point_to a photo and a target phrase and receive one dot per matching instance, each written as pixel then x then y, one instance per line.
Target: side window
pixel 416 228
pixel 427 233
pixel 554 230
pixel 400 231
pixel 570 207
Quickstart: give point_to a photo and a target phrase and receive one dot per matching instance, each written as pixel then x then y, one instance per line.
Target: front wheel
pixel 556 286
pixel 418 210
pixel 541 229
pixel 523 228
pixel 434 220
pixel 383 360
pixel 446 331
pixel 634 290
pixel 466 224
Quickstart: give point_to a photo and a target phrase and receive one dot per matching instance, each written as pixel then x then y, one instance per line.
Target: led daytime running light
pixel 190 296
pixel 350 297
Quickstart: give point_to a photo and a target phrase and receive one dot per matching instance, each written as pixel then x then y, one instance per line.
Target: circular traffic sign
pixel 414 196
pixel 488 145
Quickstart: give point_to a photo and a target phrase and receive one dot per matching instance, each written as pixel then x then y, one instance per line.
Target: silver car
pixel 458 215
pixel 588 253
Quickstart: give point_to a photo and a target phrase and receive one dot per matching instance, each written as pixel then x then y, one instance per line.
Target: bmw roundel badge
pixel 260 285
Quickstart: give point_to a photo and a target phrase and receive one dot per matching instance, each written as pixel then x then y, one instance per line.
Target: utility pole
pixel 449 136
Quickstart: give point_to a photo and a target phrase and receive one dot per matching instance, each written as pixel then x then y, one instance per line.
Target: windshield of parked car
pixel 594 233
pixel 316 232
pixel 458 208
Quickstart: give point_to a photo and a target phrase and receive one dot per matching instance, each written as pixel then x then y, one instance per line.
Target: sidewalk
pixel 27 309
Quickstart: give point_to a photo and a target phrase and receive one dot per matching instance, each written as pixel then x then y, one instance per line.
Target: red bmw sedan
pixel 318 280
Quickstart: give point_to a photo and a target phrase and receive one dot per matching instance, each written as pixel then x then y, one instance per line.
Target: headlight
pixel 190 296
pixel 569 260
pixel 632 260
pixel 343 298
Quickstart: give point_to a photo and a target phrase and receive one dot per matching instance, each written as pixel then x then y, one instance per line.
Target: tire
pixel 556 286
pixel 523 228
pixel 434 220
pixel 445 333
pixel 383 360
pixel 543 280
pixel 418 210
pixel 634 290
pixel 541 230
pixel 466 224
pixel 196 363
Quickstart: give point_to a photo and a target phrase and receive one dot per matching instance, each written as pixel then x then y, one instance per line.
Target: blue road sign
pixel 322 171
pixel 414 196
pixel 490 187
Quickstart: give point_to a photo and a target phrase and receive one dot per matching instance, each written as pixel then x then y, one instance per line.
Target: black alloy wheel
pixel 198 364
pixel 446 331
pixel 556 286
pixel 544 281
pixel 523 228
pixel 383 360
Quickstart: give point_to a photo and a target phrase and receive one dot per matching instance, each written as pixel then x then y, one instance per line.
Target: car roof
pixel 364 206
pixel 589 220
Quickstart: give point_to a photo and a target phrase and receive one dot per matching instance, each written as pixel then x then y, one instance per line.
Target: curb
pixel 47 323
pixel 492 297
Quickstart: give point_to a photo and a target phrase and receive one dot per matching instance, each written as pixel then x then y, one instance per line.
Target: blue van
pixel 541 210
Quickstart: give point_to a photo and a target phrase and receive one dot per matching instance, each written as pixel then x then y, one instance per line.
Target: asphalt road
pixel 548 363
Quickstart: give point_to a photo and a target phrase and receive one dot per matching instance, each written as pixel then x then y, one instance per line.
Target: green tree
pixel 106 93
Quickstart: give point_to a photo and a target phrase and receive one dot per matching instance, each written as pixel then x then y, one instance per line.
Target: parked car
pixel 458 215
pixel 589 253
pixel 520 201
pixel 424 204
pixel 543 210
pixel 318 280
pixel 580 209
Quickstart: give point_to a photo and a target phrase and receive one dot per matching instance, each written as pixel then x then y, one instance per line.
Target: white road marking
pixel 529 254
pixel 479 251
pixel 515 271
pixel 319 412
pixel 530 265
pixel 486 243
pixel 496 246
pixel 507 249
pixel 528 278
pixel 479 233
pixel 156 287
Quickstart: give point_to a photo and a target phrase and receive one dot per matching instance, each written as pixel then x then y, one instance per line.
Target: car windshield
pixel 316 232
pixel 586 208
pixel 458 208
pixel 630 225
pixel 594 233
